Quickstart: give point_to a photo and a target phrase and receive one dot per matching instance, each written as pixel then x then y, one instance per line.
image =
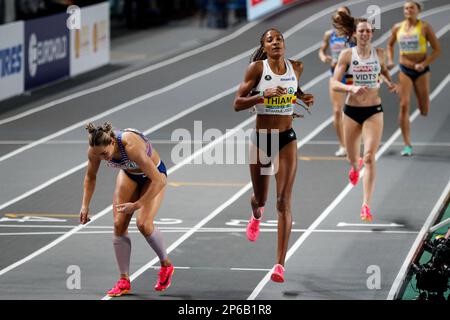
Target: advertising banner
pixel 47 54
pixel 90 44
pixel 258 8
pixel 11 59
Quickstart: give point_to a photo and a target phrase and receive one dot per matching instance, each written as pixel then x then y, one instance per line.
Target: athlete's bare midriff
pixel 409 60
pixel 370 98
pixel 273 122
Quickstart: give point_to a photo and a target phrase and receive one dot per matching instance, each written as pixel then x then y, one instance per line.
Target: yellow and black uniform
pixel 412 42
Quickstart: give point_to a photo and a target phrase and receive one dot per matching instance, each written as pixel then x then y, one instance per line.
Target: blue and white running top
pixel 337 44
pixel 124 162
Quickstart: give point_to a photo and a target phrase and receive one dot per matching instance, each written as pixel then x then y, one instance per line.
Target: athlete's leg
pixel 126 190
pixel 260 182
pixel 372 132
pixel 352 137
pixel 285 178
pixel 337 102
pixel 144 222
pixel 404 92
pixel 422 90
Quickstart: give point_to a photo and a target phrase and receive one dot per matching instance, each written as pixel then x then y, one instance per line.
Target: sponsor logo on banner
pixel 90 43
pixel 46 50
pixel 11 59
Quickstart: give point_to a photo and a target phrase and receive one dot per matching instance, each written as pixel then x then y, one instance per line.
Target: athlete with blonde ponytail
pixel 412 36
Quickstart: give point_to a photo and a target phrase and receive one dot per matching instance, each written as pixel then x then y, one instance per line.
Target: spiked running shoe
pixel 123 286
pixel 353 175
pixel 365 213
pixel 253 227
pixel 164 278
pixel 407 151
pixel 278 273
pixel 341 152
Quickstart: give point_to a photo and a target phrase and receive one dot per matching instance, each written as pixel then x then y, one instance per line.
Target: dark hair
pixel 346 9
pixel 259 53
pixel 346 23
pixel 417 4
pixel 100 135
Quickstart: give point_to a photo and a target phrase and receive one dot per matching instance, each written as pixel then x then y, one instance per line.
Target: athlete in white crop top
pixel 363 113
pixel 276 80
pixel 140 186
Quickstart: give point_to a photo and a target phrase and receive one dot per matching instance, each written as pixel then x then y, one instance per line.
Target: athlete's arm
pixel 242 100
pixel 325 58
pixel 135 150
pixel 385 72
pixel 435 45
pixel 390 46
pixel 305 97
pixel 344 61
pixel 90 180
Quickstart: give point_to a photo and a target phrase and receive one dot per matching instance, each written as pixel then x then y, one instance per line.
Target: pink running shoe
pixel 164 277
pixel 253 227
pixel 365 213
pixel 353 175
pixel 123 286
pixel 278 273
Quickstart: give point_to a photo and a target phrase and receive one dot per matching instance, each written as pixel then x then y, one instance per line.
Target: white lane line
pixel 249 269
pixel 150 130
pixel 43 185
pixel 185 236
pixel 340 197
pixel 213 230
pixel 416 143
pixel 190 232
pixel 165 89
pixel 370 225
pixel 154 128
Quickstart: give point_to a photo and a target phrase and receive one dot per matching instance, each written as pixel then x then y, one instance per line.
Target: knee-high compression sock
pixel 156 241
pixel 122 248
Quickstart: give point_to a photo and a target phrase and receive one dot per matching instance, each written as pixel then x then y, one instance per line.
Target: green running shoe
pixel 407 151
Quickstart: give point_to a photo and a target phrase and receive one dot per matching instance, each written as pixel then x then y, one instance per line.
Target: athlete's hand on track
pixel 359 90
pixel 84 215
pixel 126 208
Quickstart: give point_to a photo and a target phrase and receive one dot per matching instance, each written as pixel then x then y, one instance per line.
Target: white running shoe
pixel 341 152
